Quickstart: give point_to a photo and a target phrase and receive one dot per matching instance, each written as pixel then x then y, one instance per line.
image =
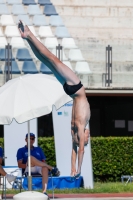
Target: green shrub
pixel 2 142
pixel 47 144
pixel 111 156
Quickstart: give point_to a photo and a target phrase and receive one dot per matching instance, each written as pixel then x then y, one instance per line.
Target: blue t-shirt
pixel 1 152
pixel 22 154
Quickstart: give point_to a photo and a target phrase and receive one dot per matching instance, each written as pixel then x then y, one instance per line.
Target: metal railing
pixel 8 62
pixel 59 52
pixel 108 74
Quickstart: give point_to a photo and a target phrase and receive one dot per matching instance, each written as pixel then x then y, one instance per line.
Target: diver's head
pixel 86 137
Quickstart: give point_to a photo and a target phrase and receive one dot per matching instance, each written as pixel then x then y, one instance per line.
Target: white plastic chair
pixel 33 30
pixel 24 18
pixel 75 55
pixel 4 9
pixel 34 10
pixel 17 42
pixel 62 55
pixel 68 43
pixel 39 20
pixel 12 31
pixel 3 42
pixel 45 31
pixel 82 68
pixel 7 20
pixel 61 32
pixel 51 42
pixel 1 32
pixel 11 2
pixel 18 10
pixel 56 20
pixel 68 64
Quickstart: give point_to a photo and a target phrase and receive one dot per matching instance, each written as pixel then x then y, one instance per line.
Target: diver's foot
pixel 21 26
pixel 24 30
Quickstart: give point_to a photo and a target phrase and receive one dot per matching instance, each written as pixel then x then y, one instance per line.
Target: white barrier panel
pixel 63 145
pixel 14 138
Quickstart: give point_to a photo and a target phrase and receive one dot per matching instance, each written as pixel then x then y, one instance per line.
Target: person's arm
pixel 81 148
pixel 73 159
pixel 1 159
pixel 43 157
pixel 21 165
pixel 20 159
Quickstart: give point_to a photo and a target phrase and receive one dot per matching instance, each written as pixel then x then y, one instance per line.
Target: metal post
pixel 111 64
pixel 108 65
pixel 4 182
pixel 29 161
pixel 8 62
pixel 60 54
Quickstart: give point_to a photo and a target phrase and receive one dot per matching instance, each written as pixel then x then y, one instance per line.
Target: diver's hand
pixel 77 175
pixel 73 173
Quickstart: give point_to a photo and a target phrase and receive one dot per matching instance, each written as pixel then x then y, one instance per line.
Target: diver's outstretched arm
pixel 62 71
pixel 81 148
pixel 73 159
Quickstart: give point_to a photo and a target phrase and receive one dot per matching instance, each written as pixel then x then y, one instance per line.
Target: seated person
pixel 38 163
pixel 10 177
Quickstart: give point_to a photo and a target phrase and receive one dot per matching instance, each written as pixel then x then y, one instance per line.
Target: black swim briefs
pixel 72 89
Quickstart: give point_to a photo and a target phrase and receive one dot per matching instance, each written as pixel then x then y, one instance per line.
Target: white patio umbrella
pixel 28 97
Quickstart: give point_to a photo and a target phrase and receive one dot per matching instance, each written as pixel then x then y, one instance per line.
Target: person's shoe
pixel 46 195
pixel 55 172
pixel 10 177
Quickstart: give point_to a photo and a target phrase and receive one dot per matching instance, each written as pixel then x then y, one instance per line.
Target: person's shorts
pixel 35 169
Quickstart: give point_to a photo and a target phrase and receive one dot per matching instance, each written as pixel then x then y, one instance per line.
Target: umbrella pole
pixel 29 161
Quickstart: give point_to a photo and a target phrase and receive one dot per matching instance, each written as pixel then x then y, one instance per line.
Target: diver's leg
pixel 54 63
